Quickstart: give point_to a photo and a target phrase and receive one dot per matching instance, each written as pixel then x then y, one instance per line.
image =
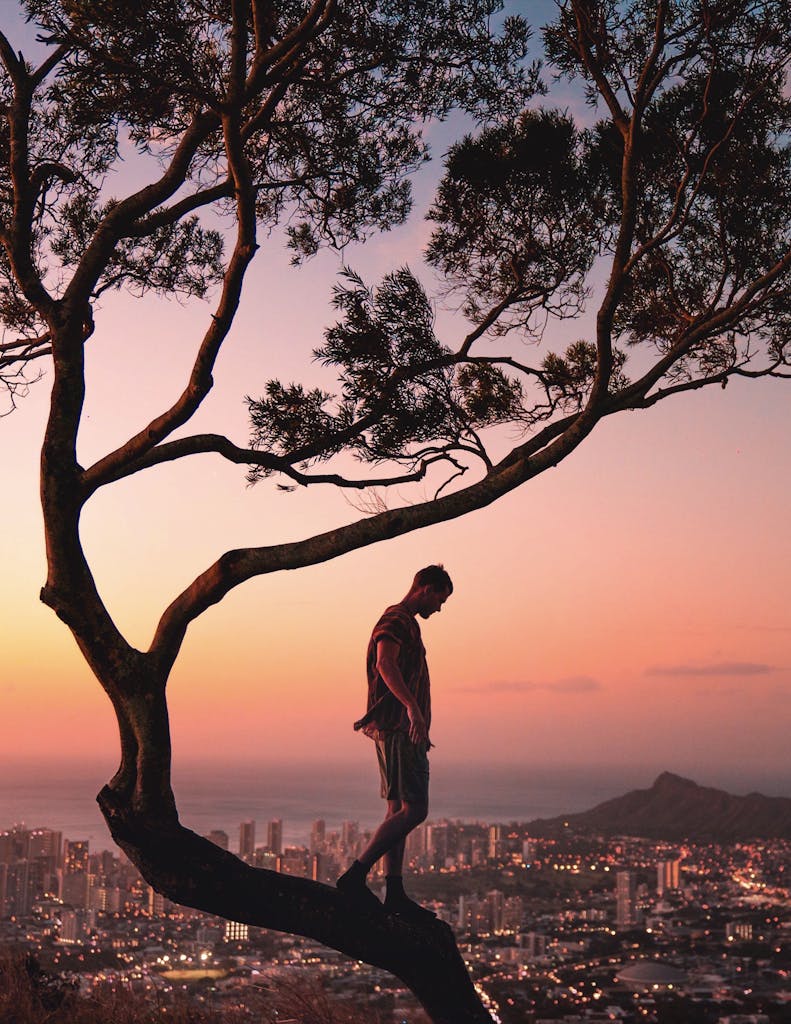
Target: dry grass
pixel 29 995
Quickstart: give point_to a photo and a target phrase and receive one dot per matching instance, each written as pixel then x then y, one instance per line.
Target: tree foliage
pixel 663 214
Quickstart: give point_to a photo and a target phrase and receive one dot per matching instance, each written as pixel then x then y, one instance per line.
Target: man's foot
pixel 352 884
pixel 404 907
pixel 397 902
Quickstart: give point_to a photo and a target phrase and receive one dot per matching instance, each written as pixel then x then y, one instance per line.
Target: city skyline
pixel 567 921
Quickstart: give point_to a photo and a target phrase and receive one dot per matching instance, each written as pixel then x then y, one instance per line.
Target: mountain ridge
pixel 678 808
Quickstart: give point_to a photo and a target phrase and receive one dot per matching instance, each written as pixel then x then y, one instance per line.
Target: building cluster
pixel 567 927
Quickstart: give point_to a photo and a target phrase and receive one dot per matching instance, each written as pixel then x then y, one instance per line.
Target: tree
pixel 249 115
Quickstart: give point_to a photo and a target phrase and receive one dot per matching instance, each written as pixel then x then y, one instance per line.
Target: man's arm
pixel 387 666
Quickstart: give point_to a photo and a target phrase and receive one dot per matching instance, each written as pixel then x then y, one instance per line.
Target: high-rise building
pixel 625 908
pixel 235 931
pixel 247 841
pixel 513 914
pixel 18 901
pixel 350 831
pixel 437 843
pixel 74 883
pixel 318 830
pixel 417 844
pixel 70 930
pixel 43 842
pixel 495 901
pixel 496 842
pixel 220 838
pixel 156 903
pixel 75 856
pixel 7 848
pixel 274 836
pixel 667 875
pixel 535 944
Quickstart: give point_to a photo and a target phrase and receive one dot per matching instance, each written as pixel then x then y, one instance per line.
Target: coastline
pixel 213 795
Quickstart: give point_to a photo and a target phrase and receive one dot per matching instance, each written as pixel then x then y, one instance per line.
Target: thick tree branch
pixel 18 233
pixel 269 62
pixel 235 567
pixel 13 64
pixel 170 214
pixel 186 868
pixel 201 381
pixel 49 65
pixel 123 215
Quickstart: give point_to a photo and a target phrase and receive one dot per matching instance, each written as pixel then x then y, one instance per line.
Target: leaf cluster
pixel 683 188
pixel 330 129
pixel 516 216
pixel 329 136
pixel 402 395
pixel 175 259
pixel 568 377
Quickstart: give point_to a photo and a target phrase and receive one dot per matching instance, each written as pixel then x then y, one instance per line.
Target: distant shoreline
pixel 215 795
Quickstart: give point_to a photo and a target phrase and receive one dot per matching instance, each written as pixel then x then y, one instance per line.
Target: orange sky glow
pixel 628 607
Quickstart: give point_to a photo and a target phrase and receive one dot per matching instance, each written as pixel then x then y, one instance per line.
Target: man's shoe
pixel 356 890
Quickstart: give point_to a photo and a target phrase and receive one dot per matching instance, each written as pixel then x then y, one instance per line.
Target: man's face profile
pixel 431 600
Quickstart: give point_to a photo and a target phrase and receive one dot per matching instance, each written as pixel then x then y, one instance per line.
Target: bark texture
pixel 192 871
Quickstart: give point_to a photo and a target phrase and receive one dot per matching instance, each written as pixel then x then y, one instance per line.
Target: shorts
pixel 403 767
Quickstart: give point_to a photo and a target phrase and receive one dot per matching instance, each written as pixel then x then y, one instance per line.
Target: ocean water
pixel 221 795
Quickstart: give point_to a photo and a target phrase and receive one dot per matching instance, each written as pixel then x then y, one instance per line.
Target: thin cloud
pixel 575 684
pixel 721 668
pixel 721 692
pixel 570 685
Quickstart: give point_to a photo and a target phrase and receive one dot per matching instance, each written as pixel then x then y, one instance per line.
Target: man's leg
pixel 394 859
pixel 390 835
pixel 404 771
pixel 396 900
pixel 388 841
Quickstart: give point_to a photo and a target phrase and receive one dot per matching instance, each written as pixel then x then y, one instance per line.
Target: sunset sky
pixel 629 607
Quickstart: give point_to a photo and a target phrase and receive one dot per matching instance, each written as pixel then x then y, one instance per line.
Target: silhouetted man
pixel 398 720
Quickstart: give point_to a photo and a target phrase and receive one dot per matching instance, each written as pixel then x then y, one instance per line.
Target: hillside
pixel 677 808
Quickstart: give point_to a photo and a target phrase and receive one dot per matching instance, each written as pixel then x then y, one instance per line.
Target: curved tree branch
pixel 545 449
pixel 186 868
pixel 204 444
pixel 123 215
pixel 201 380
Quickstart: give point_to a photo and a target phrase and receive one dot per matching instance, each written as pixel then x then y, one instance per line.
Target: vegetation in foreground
pixel 31 995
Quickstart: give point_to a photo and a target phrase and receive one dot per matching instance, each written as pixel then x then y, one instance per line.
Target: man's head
pixel 430 589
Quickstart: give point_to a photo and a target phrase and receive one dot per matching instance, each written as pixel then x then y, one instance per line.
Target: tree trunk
pixel 192 871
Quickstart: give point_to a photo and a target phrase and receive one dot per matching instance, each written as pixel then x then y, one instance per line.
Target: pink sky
pixel 631 606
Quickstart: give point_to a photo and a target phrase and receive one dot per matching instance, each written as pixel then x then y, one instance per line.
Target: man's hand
pixel 418 733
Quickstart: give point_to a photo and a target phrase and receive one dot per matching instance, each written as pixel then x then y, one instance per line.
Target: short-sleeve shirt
pixel 385 712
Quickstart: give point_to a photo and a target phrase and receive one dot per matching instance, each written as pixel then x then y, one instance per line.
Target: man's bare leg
pixel 394 859
pixel 388 841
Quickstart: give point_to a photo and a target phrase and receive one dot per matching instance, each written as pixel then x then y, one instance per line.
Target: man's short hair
pixel 434 576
